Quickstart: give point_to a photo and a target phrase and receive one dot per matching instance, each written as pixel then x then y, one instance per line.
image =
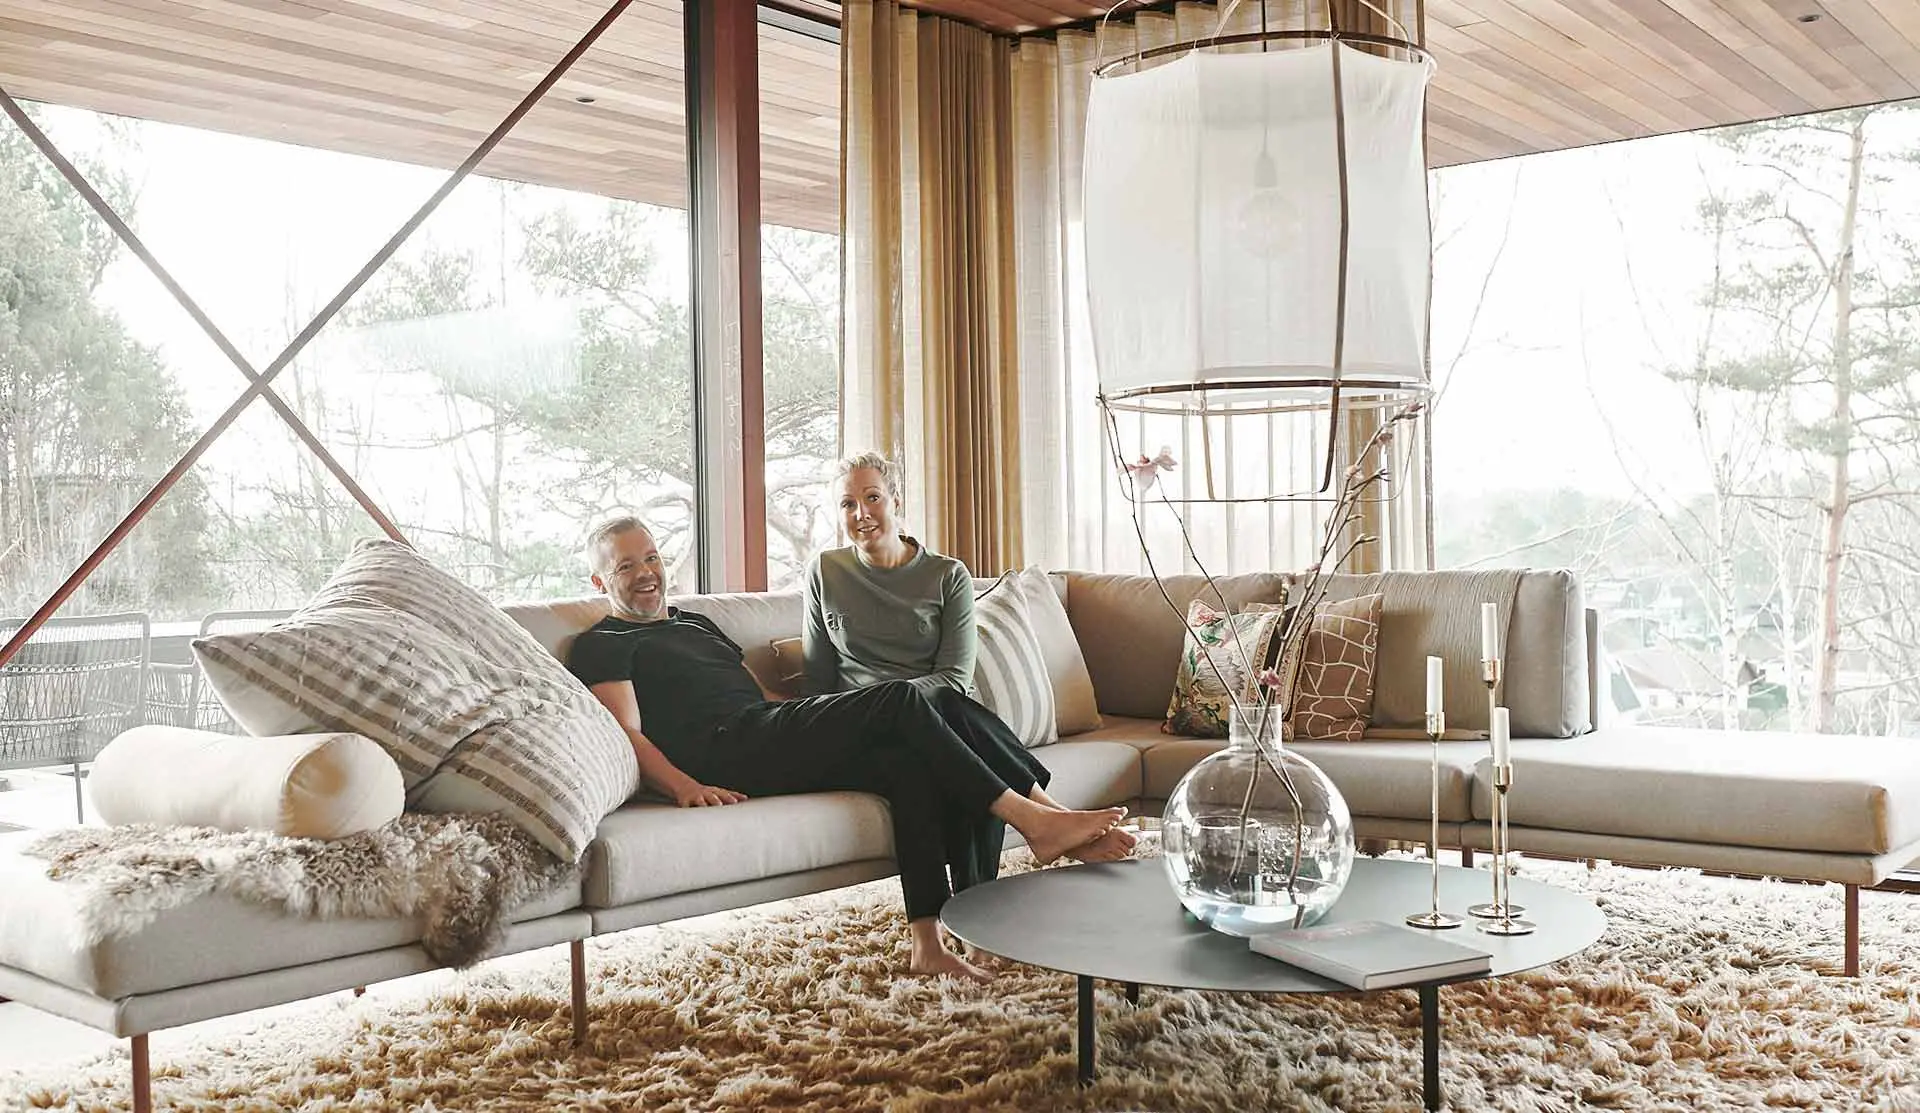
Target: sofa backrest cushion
pixel 477 716
pixel 1544 648
pixel 1131 638
pixel 755 620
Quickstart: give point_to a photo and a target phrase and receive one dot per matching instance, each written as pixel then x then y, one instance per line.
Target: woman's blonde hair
pixel 889 475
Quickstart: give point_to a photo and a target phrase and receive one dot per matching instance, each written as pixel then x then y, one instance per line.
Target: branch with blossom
pixel 1274 686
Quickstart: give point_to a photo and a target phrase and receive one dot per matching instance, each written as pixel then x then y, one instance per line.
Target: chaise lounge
pixel 1843 810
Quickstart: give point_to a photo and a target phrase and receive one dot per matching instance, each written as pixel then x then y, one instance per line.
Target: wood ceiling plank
pixel 1738 69
pixel 1467 58
pixel 1522 61
pixel 1713 17
pixel 1880 69
pixel 1514 32
pixel 1736 87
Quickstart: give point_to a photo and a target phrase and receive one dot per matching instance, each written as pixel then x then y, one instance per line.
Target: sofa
pixel 1843 810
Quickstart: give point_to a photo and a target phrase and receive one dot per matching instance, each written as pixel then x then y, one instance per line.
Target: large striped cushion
pixel 477 715
pixel 1009 671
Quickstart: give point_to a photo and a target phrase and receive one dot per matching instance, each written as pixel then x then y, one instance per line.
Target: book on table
pixel 1369 954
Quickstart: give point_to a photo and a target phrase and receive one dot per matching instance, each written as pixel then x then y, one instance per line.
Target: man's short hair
pixel 609 528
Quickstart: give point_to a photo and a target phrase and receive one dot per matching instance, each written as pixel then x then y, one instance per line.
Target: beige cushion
pixel 1837 793
pixel 1131 639
pixel 1091 774
pixel 1219 666
pixel 1394 780
pixel 477 714
pixel 1075 707
pixel 645 851
pixel 1438 614
pixel 316 786
pixel 1009 670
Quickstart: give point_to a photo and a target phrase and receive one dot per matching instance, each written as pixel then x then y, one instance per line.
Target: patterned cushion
pixel 1010 671
pixel 1238 647
pixel 476 714
pixel 1075 709
pixel 1335 697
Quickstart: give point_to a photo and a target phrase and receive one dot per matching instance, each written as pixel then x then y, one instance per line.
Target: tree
pixel 89 418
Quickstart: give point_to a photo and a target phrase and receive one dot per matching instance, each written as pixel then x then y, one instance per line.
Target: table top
pixel 1120 921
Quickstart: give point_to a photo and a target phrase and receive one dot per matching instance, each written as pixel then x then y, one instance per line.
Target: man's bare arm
pixel 655 769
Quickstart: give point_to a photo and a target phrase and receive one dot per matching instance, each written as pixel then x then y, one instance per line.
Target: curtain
pixel 932 368
pixel 1078 511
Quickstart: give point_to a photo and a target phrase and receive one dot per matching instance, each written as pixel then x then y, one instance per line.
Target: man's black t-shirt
pixel 687 675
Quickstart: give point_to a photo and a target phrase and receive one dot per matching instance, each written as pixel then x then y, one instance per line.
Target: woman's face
pixel 866 509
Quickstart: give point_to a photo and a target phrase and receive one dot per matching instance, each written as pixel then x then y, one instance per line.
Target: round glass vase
pixel 1256 838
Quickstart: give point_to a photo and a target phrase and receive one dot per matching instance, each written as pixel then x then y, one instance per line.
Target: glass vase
pixel 1256 838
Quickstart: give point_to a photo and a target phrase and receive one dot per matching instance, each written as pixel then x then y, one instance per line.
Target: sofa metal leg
pixel 577 954
pixel 1853 931
pixel 1466 857
pixel 359 991
pixel 142 1077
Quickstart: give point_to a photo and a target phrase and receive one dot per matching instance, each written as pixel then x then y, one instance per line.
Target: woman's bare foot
pixel 1050 834
pixel 941 961
pixel 1114 846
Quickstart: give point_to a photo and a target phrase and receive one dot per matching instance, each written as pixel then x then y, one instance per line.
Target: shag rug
pixel 461 873
pixel 1704 994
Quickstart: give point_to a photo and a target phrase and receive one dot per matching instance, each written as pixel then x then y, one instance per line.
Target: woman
pixel 887 608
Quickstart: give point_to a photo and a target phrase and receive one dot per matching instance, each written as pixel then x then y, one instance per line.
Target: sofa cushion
pixel 1132 639
pixel 216 936
pixel 1091 774
pixel 1393 780
pixel 317 786
pixel 1220 664
pixel 1010 670
pixel 1075 708
pixel 477 714
pixel 754 620
pixel 1335 696
pixel 1438 614
pixel 643 851
pixel 1835 793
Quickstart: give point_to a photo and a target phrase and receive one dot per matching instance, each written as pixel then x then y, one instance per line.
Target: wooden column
pixel 723 158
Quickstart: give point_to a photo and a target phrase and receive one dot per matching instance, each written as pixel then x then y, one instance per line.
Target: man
pixel 706 733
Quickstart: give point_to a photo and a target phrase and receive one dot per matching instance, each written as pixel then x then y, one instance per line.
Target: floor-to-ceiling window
pixel 800 276
pixel 520 367
pixel 1685 367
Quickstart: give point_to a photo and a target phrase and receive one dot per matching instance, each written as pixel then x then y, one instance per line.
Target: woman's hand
pixel 693 794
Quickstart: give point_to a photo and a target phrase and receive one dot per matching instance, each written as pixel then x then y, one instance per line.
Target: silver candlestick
pixel 1433 917
pixel 1497 908
pixel 1505 923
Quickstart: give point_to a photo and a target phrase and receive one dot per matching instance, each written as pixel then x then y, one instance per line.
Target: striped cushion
pixel 477 715
pixel 1009 671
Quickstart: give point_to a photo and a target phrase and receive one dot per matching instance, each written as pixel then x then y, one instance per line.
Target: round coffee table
pixel 1121 922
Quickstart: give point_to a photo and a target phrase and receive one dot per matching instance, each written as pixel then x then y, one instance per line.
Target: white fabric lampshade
pixel 1212 209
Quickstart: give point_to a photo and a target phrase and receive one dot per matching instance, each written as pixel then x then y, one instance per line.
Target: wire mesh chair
pixel 76 684
pixel 179 693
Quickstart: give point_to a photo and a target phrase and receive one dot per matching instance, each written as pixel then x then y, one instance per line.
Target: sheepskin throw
pixel 463 874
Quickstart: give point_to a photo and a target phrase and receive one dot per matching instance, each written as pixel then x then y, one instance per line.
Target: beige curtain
pixel 931 374
pixel 1077 511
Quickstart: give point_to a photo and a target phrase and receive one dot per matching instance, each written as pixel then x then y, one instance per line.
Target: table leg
pixel 1086 1031
pixel 1430 1045
pixel 1133 993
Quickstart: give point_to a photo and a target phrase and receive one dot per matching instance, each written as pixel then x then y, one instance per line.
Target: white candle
pixel 1436 700
pixel 1489 631
pixel 1502 737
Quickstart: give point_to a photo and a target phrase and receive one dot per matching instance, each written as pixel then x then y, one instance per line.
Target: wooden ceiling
pixel 1519 76
pixel 424 81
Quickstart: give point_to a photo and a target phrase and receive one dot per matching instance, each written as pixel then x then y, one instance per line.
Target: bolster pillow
pixel 319 786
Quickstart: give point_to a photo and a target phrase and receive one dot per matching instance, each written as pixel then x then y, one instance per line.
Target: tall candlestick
pixel 1436 695
pixel 1489 631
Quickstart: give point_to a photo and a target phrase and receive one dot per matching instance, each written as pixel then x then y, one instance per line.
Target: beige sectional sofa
pixel 1842 810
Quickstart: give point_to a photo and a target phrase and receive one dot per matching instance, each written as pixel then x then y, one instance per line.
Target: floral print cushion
pixel 1238 646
